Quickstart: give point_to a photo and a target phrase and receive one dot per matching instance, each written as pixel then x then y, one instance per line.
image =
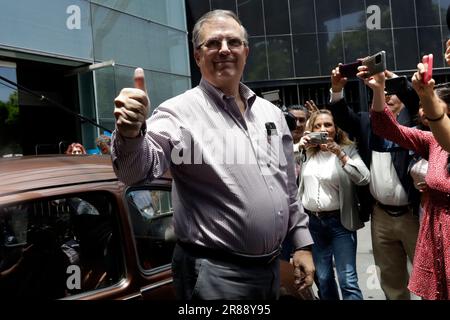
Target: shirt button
pixel 270 188
pixel 280 213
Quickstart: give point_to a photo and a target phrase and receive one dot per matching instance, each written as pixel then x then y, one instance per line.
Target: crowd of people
pixel 310 189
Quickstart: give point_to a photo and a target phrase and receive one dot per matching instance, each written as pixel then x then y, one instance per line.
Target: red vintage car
pixel 70 230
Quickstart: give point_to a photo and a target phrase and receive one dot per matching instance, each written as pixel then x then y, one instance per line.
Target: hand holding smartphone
pixel 349 70
pixel 396 85
pixel 427 60
pixel 375 63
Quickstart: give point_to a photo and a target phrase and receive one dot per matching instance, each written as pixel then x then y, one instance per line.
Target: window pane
pixel 276 23
pixel 355 45
pixel 223 4
pixel 328 16
pixel 106 91
pixel 382 40
pixel 443 11
pixel 303 17
pixel 330 50
pixel 405 41
pixel 385 11
pixel 250 14
pixel 110 81
pixel 154 47
pixel 55 248
pixel 280 57
pixel 403 14
pixel 306 55
pixel 430 42
pixel 256 67
pixel 151 217
pixel 196 8
pixel 170 13
pixel 45 26
pixel 427 12
pixel 163 86
pixel 353 15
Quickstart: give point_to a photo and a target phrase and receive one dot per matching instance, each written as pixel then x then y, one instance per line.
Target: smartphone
pixel 349 70
pixel 396 85
pixel 318 137
pixel 428 74
pixel 376 63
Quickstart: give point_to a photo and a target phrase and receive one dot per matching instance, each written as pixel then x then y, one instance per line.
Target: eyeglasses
pixel 216 44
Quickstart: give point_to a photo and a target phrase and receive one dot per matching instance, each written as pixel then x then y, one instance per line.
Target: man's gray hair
pixel 212 15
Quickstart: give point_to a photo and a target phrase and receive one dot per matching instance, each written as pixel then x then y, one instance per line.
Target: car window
pixel 151 217
pixel 58 247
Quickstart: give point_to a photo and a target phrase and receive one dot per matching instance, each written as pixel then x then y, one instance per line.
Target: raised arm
pixel 384 122
pixel 441 124
pixel 343 115
pixel 139 155
pixel 408 96
pixel 435 109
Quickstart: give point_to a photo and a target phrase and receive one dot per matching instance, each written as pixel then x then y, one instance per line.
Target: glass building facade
pixel 294 44
pixel 51 43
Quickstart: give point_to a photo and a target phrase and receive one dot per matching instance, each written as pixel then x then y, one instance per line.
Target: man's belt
pixel 394 211
pixel 228 256
pixel 323 214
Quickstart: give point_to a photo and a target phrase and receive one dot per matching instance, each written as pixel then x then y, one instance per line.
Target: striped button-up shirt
pixel 233 174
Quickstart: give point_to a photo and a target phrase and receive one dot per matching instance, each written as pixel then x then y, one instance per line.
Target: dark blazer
pixel 358 125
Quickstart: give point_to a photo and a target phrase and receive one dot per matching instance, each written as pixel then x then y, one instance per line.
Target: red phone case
pixel 428 74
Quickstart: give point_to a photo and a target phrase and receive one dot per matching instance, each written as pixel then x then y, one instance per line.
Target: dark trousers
pixel 199 278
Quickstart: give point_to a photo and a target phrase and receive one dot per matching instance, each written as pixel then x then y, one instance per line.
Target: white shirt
pixel 385 186
pixel 321 181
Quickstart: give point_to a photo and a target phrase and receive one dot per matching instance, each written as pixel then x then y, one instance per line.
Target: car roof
pixel 29 173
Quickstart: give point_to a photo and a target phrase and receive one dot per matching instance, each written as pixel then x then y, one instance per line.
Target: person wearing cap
pixel 230 156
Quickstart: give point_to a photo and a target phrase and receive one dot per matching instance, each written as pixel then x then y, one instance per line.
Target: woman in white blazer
pixel 329 175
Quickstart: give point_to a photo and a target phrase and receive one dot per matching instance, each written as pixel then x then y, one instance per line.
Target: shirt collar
pixel 246 93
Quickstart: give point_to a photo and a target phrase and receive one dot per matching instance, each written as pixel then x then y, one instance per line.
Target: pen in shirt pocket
pixel 271 131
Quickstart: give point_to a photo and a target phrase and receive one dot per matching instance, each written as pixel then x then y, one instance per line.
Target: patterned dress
pixel 430 278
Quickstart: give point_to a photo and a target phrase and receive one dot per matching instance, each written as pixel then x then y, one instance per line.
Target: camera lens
pixel 378 59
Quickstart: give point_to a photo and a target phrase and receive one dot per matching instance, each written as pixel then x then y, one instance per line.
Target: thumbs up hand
pixel 132 107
